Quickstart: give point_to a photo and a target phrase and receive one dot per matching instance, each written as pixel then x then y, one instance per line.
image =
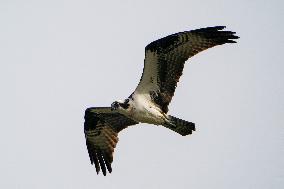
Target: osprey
pixel 163 66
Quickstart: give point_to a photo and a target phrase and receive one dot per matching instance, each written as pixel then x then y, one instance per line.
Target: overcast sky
pixel 59 57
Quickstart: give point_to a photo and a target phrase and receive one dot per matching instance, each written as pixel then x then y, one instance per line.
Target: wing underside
pixel 165 58
pixel 101 128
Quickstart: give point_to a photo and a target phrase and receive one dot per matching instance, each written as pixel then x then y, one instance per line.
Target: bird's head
pixel 120 105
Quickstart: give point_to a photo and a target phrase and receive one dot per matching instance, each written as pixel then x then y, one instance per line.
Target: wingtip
pixel 230 41
pixel 220 27
pixel 213 28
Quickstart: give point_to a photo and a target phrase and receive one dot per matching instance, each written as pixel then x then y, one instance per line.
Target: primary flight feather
pixel 163 66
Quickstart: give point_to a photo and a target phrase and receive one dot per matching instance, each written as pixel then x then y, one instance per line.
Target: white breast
pixel 144 110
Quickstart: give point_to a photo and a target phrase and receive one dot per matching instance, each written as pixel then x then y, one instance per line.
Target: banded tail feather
pixel 180 126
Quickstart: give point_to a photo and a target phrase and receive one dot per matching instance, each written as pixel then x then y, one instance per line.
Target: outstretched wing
pixel 165 58
pixel 101 128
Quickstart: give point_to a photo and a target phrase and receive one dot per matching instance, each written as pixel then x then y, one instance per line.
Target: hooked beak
pixel 114 106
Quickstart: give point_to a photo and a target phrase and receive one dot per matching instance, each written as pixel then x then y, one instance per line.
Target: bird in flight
pixel 163 66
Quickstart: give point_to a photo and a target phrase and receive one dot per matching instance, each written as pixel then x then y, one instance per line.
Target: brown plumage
pixel 101 128
pixel 172 51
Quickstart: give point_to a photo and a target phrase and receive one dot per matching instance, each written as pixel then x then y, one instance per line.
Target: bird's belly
pixel 148 115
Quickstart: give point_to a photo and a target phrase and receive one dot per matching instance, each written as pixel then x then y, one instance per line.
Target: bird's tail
pixel 180 126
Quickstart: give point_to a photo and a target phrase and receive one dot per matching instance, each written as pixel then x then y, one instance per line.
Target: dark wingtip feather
pixel 230 41
pixel 109 168
pixel 108 163
pixel 209 29
pixel 193 126
pixel 102 164
pixel 97 166
pixel 214 28
pixel 217 34
pixel 220 27
pixel 93 156
pixel 233 36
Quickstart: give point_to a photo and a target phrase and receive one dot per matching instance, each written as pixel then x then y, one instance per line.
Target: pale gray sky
pixel 59 57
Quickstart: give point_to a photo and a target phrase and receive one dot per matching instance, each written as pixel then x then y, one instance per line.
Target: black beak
pixel 114 106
